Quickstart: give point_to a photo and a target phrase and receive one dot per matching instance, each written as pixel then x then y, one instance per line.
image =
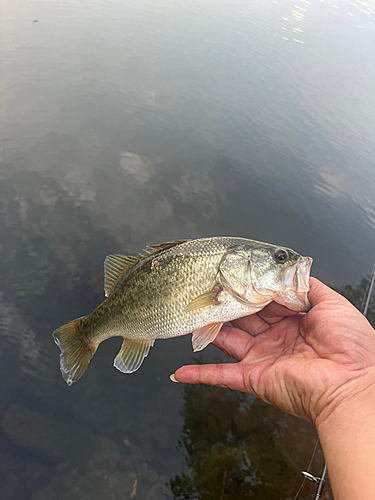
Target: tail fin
pixel 76 353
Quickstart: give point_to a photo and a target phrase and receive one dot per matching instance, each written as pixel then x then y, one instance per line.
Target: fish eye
pixel 281 256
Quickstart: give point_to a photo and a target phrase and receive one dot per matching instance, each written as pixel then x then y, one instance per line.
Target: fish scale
pixel 162 294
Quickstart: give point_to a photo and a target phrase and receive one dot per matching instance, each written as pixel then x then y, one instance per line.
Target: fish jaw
pixel 294 295
pixel 295 301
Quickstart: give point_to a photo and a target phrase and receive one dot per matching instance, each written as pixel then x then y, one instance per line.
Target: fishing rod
pixel 369 292
pixel 320 481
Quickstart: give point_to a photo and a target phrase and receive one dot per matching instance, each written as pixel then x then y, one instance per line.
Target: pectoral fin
pixel 132 354
pixel 205 335
pixel 209 298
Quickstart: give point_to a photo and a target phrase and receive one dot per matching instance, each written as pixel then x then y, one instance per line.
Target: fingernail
pixel 173 378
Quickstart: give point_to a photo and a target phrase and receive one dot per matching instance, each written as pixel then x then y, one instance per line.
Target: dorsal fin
pixel 155 249
pixel 115 266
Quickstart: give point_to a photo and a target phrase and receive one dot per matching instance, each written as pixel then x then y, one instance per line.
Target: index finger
pixel 228 375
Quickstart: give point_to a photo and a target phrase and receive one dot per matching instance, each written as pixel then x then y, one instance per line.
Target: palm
pixel 295 362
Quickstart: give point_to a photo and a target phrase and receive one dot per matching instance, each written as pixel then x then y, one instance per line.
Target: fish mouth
pixel 294 295
pixel 294 301
pixel 297 276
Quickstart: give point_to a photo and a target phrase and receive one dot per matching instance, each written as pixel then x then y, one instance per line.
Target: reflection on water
pixel 235 446
pixel 238 447
pixel 357 294
pixel 131 123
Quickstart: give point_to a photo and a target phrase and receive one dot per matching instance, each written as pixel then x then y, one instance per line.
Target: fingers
pixel 275 339
pixel 254 324
pixel 234 342
pixel 319 292
pixel 260 322
pixel 229 375
pixel 273 313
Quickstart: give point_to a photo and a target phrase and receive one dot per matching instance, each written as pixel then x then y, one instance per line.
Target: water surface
pixel 124 124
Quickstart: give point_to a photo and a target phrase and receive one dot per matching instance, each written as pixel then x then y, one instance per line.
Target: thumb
pixel 319 292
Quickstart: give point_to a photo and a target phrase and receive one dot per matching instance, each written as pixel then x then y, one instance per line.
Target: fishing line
pixel 369 292
pixel 306 474
pixel 308 468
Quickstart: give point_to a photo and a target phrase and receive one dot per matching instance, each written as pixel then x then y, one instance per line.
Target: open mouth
pixel 296 287
pixel 292 291
pixel 297 277
pixel 301 275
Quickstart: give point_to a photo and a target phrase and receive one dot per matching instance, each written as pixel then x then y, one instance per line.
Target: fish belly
pixel 173 322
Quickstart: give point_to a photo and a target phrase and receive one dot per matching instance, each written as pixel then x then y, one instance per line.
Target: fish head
pixel 282 274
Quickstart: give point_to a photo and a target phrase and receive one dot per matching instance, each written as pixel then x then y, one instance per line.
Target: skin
pixel 319 366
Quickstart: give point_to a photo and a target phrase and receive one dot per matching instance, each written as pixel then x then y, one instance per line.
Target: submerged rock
pixel 123 483
pixel 107 455
pixel 19 477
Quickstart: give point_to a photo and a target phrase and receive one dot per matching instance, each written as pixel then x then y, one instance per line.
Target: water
pixel 129 123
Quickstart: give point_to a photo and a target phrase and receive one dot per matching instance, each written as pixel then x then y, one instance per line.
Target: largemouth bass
pixel 182 287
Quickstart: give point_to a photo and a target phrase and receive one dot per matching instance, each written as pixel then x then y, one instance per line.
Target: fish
pixel 178 288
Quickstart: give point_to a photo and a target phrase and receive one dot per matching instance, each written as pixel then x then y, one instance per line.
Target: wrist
pixel 354 403
pixel 347 434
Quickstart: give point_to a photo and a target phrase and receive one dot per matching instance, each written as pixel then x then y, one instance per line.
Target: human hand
pixel 304 364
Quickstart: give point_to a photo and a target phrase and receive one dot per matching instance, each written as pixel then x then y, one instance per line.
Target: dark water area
pixel 124 124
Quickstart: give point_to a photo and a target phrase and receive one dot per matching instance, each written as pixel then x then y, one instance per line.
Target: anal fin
pixel 131 355
pixel 205 335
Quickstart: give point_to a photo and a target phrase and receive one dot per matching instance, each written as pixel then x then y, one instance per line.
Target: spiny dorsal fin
pixel 115 266
pixel 155 249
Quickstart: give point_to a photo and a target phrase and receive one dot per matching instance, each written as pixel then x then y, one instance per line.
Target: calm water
pixel 129 123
